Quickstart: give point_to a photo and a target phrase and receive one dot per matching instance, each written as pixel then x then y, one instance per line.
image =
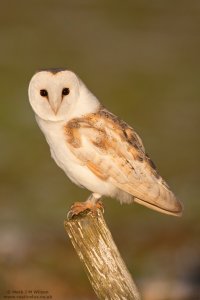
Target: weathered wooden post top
pixel 97 251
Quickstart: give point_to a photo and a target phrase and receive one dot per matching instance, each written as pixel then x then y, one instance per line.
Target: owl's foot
pixel 81 207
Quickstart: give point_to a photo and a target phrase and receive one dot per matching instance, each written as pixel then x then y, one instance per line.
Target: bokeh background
pixel 141 59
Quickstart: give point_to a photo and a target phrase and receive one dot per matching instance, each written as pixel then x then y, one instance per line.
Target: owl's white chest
pixel 54 133
pixel 74 169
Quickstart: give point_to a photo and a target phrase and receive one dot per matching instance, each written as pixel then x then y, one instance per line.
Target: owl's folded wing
pixel 114 152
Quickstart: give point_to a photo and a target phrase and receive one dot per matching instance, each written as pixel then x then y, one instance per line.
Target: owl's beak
pixel 55 110
pixel 55 105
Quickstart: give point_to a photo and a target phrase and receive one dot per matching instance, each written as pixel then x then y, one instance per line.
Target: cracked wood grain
pixel 97 251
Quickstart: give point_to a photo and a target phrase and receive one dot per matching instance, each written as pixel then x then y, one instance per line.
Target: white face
pixel 53 95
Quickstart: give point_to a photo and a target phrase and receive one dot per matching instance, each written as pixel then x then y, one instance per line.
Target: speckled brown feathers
pixel 100 123
pixel 113 151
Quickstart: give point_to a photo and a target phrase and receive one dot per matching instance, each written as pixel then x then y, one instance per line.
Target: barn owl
pixel 97 150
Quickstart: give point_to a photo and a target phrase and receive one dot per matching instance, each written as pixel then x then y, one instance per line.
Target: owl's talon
pixel 81 207
pixel 99 205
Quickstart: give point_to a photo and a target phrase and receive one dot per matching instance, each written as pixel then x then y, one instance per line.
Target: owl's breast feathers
pixel 113 151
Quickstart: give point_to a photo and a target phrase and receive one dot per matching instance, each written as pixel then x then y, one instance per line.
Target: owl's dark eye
pixel 43 93
pixel 65 91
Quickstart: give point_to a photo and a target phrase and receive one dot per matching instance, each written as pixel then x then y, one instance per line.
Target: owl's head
pixel 57 95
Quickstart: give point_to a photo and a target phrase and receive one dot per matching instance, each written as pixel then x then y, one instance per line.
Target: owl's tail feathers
pixel 156 196
pixel 175 209
pixel 161 198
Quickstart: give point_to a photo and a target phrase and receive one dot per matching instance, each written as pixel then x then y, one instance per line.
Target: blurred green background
pixel 141 59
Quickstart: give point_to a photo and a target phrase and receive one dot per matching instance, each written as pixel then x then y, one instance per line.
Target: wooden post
pixel 96 249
